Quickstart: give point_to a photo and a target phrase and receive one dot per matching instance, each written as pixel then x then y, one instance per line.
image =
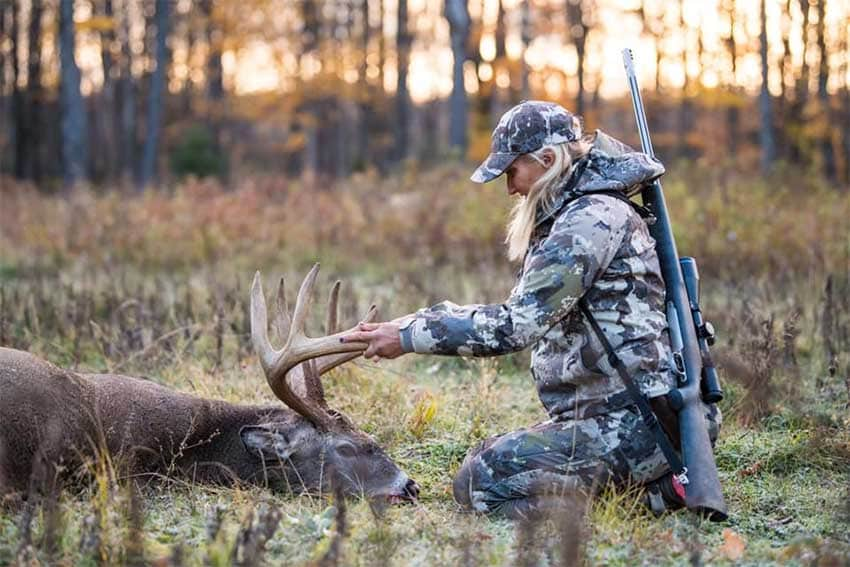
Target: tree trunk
pixel 106 118
pixel 364 109
pixel 457 14
pixel 155 96
pixel 382 46
pixel 3 99
pixel 73 111
pixel 215 77
pixel 187 90
pixel 18 108
pixel 685 121
pixel 215 74
pixel 785 62
pixel 732 114
pixel 825 136
pixel 803 82
pixel 766 137
pixel 500 63
pixel 577 32
pixel 34 93
pixel 525 36
pixel 127 105
pixel 845 132
pixel 402 97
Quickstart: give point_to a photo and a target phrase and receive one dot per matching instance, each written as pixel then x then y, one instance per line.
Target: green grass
pixel 785 480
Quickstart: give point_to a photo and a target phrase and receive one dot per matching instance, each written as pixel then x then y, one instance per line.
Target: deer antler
pixel 299 348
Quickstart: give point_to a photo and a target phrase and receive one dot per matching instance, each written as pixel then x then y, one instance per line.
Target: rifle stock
pixel 702 492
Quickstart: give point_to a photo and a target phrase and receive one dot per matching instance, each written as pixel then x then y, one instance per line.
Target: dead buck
pixel 54 417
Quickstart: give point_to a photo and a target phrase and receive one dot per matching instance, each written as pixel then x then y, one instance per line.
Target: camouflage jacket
pixel 592 245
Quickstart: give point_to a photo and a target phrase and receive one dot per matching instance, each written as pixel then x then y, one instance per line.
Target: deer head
pixel 353 458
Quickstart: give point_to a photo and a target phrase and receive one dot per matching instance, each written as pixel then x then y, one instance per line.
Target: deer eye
pixel 346 450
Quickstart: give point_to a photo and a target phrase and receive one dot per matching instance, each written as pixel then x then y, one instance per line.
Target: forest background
pixel 154 153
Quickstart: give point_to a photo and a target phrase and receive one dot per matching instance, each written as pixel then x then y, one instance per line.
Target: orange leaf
pixel 733 545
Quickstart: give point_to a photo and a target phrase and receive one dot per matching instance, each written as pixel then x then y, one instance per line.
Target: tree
pixel 686 107
pixel 577 28
pixel 18 109
pixel 525 37
pixel 127 101
pixel 156 94
pixel 31 120
pixel 3 110
pixel 72 109
pixel 402 96
pixel 108 118
pixel 214 74
pixel 457 14
pixel 766 137
pixel 653 24
pixel 825 137
pixel 732 114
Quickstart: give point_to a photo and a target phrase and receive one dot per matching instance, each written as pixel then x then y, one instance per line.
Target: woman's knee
pixel 462 486
pixel 464 481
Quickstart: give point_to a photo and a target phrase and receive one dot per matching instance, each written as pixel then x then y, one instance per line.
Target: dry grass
pixel 157 284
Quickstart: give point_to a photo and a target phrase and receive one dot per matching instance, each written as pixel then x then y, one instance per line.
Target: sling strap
pixel 641 210
pixel 649 418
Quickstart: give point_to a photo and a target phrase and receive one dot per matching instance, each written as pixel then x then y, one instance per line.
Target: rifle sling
pixel 649 418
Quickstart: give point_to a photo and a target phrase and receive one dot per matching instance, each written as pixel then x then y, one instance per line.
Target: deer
pixel 53 421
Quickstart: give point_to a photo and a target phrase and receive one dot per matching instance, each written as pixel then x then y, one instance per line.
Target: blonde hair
pixel 543 192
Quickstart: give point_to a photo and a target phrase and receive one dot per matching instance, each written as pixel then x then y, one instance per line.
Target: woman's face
pixel 524 171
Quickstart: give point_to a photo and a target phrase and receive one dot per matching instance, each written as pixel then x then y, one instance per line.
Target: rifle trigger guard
pixel 679 367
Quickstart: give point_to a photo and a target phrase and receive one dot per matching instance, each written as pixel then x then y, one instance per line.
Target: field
pixel 156 285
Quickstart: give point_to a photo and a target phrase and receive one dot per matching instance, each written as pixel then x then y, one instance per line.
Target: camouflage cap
pixel 525 128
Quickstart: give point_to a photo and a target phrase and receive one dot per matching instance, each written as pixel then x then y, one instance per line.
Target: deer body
pixel 62 417
pixel 51 417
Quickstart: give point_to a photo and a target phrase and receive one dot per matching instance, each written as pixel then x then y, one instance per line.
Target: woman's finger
pixel 357 337
pixel 368 326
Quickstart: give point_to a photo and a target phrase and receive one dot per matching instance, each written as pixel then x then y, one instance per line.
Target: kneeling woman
pixel 578 239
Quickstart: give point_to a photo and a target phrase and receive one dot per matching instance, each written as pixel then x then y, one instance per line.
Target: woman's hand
pixel 384 339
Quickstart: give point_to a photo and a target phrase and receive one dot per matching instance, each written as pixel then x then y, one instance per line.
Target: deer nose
pixel 411 489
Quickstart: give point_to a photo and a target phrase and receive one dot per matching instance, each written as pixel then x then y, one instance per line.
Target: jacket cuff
pixel 406 336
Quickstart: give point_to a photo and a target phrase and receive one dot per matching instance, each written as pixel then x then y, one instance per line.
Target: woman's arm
pixel 577 251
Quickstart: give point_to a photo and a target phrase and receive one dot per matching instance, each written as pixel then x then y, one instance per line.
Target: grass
pixel 157 286
pixel 785 481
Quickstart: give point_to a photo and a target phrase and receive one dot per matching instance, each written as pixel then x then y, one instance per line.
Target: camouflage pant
pixel 516 473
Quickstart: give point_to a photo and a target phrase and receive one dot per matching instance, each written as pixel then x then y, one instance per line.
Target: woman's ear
pixel 548 158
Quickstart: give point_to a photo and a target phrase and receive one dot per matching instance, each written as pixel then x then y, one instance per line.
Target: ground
pixel 157 285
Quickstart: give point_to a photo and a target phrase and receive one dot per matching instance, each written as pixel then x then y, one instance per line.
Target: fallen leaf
pixel 733 545
pixel 750 470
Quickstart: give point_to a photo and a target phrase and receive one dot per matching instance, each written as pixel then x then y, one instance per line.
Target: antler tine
pixel 259 324
pixel 281 322
pixel 302 305
pixel 269 358
pixel 333 311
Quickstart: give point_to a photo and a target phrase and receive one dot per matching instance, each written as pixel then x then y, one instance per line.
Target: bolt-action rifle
pixel 690 337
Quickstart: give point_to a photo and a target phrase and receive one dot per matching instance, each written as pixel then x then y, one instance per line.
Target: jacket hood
pixel 610 165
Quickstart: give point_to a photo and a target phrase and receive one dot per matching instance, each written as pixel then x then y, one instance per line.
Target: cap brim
pixel 492 167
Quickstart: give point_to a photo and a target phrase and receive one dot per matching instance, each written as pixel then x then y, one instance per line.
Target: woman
pixel 578 237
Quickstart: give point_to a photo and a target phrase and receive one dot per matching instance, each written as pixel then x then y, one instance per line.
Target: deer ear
pixel 272 443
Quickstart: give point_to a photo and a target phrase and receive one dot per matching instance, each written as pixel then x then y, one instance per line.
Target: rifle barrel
pixel 703 493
